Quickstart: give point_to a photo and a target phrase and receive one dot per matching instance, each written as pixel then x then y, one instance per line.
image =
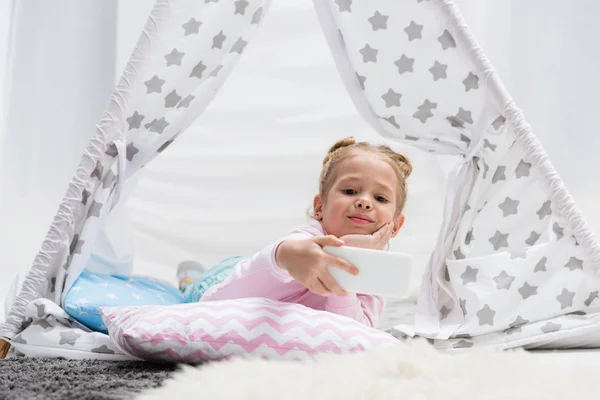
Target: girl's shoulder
pixel 312 228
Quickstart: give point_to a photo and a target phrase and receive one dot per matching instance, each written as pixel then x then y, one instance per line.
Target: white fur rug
pixel 410 371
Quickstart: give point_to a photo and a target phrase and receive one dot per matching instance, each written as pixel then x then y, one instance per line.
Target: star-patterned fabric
pixel 513 252
pixel 183 56
pixel 514 261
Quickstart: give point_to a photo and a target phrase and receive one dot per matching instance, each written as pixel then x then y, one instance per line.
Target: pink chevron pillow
pixel 246 327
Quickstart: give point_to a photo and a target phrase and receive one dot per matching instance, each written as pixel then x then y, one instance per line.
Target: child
pixel 362 192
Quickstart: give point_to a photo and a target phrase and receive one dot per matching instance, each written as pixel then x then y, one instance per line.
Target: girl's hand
pixel 307 263
pixel 376 241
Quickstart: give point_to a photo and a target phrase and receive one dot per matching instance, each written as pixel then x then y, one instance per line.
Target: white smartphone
pixel 381 273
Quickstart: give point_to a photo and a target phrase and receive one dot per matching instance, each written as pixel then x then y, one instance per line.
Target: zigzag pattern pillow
pixel 246 327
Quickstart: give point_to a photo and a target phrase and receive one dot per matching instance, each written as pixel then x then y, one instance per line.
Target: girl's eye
pixel 381 199
pixel 349 191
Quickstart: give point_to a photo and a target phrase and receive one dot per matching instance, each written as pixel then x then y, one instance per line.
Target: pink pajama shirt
pixel 260 276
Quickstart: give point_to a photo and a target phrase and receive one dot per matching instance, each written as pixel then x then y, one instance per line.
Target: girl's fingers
pixel 319 288
pixel 328 240
pixel 333 261
pixel 331 284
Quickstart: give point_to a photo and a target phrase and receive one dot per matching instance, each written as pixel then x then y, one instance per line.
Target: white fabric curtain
pixel 544 53
pixel 58 70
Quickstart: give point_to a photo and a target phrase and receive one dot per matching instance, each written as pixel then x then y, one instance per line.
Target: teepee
pixel 514 264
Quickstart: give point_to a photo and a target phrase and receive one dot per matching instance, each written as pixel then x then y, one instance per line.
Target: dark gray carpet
pixel 41 378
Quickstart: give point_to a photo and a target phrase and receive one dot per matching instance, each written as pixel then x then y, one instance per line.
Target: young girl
pixel 362 192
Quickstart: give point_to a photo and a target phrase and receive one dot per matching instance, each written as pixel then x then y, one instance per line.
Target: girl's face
pixel 362 198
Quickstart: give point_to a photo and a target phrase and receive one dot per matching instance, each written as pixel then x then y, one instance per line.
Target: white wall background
pixel 246 171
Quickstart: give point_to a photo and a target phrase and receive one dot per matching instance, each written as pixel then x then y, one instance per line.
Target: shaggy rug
pixel 408 371
pixel 43 378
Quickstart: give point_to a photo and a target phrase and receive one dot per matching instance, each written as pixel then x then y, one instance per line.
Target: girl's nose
pixel 364 204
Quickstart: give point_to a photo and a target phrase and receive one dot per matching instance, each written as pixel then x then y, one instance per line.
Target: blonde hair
pixel 342 149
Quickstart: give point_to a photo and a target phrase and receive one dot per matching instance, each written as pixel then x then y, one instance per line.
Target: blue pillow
pixel 92 291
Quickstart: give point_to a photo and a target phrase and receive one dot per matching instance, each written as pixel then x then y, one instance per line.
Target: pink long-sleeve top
pixel 260 276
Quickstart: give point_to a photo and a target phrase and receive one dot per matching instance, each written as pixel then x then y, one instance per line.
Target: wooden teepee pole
pixel 4 347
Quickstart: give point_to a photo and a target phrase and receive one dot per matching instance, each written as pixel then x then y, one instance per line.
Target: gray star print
pixel 154 85
pixel 463 306
pixel 504 281
pixel 361 80
pixel 85 195
pixel 469 238
pixel 464 115
pixel 344 5
pixel 392 120
pixel 470 275
pixel 95 209
pixel 135 120
pixel 527 290
pixel 131 151
pixel 458 254
pixel 519 321
pixel 550 327
pixel 103 350
pixel 240 7
pixel 41 310
pixel 414 31
pixel 499 240
pixel 471 82
pixel 447 40
pixel 413 138
pixel 455 122
pixel 565 298
pixel 424 112
pixel 391 98
pixel 404 64
pixel 198 70
pixel 558 230
pixel 53 285
pixel 378 21
pixel 444 312
pixel 574 263
pixel 111 150
pixel 533 238
pixel 157 126
pixel 42 323
pixel 462 344
pixel 545 210
pixel 369 54
pixel 172 99
pixel 18 339
pixel 218 40
pixel 465 139
pixel 257 16
pixel 522 169
pixel 239 46
pixel 486 316
pixel 498 122
pixel 499 175
pixel 191 27
pixel 186 102
pixel 593 296
pixel 541 265
pixel 509 207
pixel 438 71
pixel 487 144
pixel 174 57
pixel 68 338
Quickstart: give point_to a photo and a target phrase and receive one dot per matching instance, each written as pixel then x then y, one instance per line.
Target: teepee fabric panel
pixel 513 250
pixel 184 55
pixel 50 332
